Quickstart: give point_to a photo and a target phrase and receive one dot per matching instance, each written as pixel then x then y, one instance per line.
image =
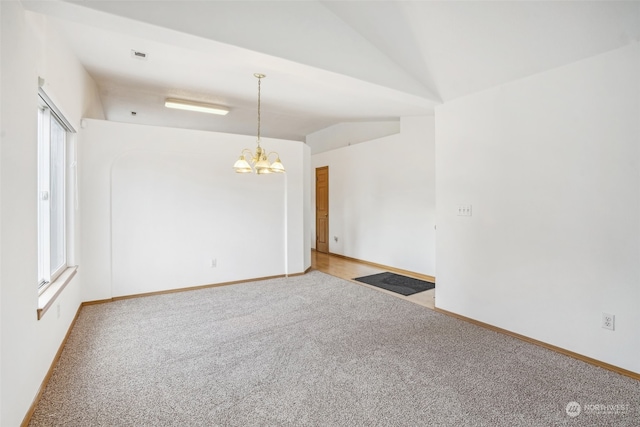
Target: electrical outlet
pixel 58 310
pixel 335 238
pixel 464 210
pixel 608 321
pixel 213 263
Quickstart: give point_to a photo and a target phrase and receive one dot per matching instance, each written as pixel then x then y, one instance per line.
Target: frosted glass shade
pixel 277 166
pixel 242 166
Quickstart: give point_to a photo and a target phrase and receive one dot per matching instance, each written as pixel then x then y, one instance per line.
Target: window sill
pixel 46 299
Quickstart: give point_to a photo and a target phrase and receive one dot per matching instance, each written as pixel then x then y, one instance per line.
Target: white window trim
pixel 47 293
pixel 51 292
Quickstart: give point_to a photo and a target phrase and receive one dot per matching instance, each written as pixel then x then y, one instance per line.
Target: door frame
pixel 316 210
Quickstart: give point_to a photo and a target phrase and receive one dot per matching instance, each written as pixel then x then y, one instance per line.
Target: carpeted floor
pixel 313 350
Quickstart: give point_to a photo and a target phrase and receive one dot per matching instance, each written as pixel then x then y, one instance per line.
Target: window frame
pixel 48 113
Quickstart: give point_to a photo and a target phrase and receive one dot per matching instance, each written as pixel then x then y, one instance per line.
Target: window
pixel 53 130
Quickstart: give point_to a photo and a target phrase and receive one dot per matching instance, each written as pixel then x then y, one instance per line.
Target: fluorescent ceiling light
pixel 183 104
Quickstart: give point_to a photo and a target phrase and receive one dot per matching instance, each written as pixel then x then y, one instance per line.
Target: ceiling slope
pixel 301 31
pixel 461 47
pixel 298 99
pixel 326 62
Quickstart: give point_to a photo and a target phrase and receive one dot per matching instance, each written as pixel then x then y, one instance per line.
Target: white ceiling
pixel 326 62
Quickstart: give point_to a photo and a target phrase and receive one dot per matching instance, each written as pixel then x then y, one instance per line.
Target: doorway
pixel 322 209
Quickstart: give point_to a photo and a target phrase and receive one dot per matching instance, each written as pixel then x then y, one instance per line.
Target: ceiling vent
pixel 139 55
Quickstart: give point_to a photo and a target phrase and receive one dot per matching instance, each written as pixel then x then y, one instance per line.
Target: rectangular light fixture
pixel 202 107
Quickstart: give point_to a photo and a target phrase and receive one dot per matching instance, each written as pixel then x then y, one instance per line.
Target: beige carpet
pixel 314 350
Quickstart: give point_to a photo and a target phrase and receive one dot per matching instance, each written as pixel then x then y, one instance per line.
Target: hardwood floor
pixel 348 269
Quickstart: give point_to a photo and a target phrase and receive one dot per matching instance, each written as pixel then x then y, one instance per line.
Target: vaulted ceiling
pixel 326 62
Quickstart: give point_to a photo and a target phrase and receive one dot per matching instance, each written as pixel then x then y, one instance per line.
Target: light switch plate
pixel 464 210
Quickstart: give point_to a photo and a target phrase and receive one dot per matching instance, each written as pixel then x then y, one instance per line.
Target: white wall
pixel 550 165
pixel 159 203
pixel 309 217
pixel 345 134
pixel 382 198
pixel 30 49
pixel 1 144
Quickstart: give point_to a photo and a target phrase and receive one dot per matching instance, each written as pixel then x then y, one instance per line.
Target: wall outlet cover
pixel 608 321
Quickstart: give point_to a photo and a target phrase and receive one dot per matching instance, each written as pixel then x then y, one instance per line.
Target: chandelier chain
pixel 259 80
pixel 260 163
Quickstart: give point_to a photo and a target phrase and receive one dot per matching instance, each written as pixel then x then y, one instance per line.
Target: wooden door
pixel 322 209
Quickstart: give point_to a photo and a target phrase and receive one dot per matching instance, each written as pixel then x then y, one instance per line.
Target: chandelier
pixel 258 162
